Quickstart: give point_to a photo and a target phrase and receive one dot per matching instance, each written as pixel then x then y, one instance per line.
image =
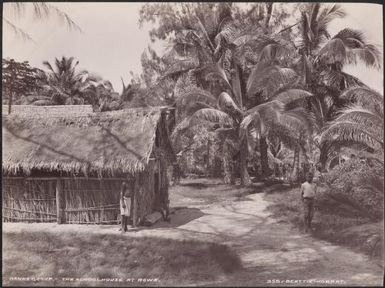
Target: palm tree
pixel 285 118
pixel 322 59
pixel 359 124
pixel 64 85
pixel 227 110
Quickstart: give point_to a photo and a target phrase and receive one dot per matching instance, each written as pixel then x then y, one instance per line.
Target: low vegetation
pixel 334 221
pixel 80 255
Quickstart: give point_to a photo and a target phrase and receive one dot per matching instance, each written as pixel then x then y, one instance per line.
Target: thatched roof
pixel 57 110
pixel 115 142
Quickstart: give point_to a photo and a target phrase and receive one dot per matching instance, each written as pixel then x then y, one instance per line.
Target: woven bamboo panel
pixel 93 201
pixel 145 194
pixel 28 200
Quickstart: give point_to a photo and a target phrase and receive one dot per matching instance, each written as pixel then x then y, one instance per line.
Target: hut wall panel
pixel 145 192
pixel 92 200
pixel 86 200
pixel 164 196
pixel 28 200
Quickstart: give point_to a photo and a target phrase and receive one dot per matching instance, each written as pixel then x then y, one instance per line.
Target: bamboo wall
pixel 83 201
pixel 28 201
pixel 92 201
pixel 89 200
pixel 144 196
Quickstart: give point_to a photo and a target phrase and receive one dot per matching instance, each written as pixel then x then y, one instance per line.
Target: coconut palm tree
pixel 359 124
pixel 322 58
pixel 64 85
pixel 285 118
pixel 227 110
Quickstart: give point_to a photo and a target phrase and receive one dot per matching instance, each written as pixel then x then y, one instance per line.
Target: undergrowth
pixel 79 255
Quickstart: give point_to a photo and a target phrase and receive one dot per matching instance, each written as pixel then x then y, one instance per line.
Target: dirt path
pixel 269 250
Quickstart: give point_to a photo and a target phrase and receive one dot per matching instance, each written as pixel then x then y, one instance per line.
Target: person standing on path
pixel 308 191
pixel 125 206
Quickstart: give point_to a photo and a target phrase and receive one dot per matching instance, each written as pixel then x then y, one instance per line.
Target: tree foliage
pixel 20 79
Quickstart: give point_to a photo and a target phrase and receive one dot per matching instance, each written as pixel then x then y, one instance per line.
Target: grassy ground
pixel 218 235
pixel 80 255
pixel 339 224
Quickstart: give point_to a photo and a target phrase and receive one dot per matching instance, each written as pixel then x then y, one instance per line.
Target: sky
pixel 112 41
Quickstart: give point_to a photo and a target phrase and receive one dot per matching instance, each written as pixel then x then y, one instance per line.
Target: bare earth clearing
pixel 268 249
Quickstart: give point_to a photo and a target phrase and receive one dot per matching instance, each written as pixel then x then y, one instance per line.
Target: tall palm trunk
pixel 228 171
pixel 208 157
pixel 245 178
pixel 264 160
pixel 295 171
pixel 228 166
pixel 323 157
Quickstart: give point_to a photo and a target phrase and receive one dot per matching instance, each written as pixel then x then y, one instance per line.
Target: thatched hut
pixel 67 163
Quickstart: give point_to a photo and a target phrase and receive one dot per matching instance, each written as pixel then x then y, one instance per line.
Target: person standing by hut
pixel 125 206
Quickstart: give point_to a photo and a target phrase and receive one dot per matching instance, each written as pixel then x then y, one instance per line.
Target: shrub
pixel 359 183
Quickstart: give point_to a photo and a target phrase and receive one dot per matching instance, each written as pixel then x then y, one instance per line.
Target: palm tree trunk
pixel 245 178
pixel 295 171
pixel 269 7
pixel 208 157
pixel 10 100
pixel 264 160
pixel 323 157
pixel 228 167
pixel 228 171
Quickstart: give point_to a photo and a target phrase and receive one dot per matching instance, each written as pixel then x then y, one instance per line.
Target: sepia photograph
pixel 179 144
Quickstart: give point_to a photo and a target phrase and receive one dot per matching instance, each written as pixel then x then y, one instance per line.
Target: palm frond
pixel 298 119
pixel 180 128
pixel 351 38
pixel 184 81
pixel 289 96
pixel 268 79
pixel 365 97
pixel 368 54
pixel 339 80
pixel 334 51
pixel 362 116
pixel 243 36
pixel 348 131
pixel 17 31
pixel 236 85
pixel 205 33
pixel 195 94
pixel 47 9
pixel 286 135
pixel 180 66
pixel 211 115
pixel 225 132
pixel 372 183
pixel 261 116
pixel 274 51
pixel 228 105
pixel 191 109
pixel 330 13
pixel 349 46
pixel 216 71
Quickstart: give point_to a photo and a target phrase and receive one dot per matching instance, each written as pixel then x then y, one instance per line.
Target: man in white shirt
pixel 308 190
